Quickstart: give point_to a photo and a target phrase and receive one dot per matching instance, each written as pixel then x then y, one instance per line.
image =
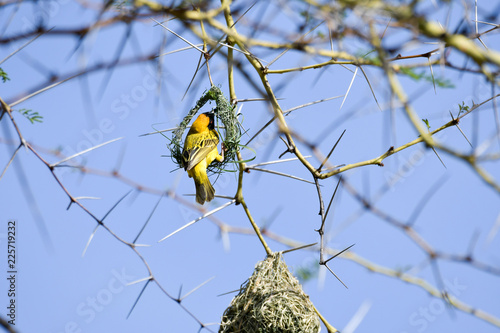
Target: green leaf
pixel 422 75
pixel 463 108
pixel 427 123
pixel 411 73
pixel 306 272
pixel 369 55
pixel 31 115
pixel 4 75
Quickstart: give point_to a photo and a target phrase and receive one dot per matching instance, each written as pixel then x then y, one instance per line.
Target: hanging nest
pixel 225 114
pixel 271 301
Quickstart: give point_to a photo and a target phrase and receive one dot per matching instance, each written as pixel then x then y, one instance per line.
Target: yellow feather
pixel 200 149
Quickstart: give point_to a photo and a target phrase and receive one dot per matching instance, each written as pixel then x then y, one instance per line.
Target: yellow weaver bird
pixel 200 149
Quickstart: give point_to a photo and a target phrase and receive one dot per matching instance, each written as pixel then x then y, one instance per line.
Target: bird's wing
pixel 197 147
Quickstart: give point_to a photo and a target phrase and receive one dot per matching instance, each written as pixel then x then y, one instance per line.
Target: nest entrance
pixel 271 301
pixel 225 113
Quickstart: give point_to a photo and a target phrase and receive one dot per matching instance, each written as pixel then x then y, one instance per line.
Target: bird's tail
pixel 204 190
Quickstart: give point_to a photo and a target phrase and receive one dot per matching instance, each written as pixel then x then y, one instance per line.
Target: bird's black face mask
pixel 211 124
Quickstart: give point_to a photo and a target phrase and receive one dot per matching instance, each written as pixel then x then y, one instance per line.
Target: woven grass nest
pixel 270 301
pixel 231 127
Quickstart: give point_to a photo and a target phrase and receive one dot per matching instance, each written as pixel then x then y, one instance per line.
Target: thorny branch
pixel 487 63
